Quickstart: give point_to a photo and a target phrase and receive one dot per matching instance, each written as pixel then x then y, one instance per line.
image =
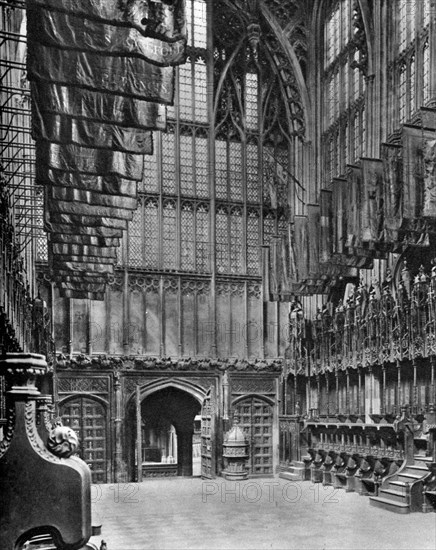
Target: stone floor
pixel 190 513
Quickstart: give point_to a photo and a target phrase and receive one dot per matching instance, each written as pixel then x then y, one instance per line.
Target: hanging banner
pixel 372 200
pixel 353 207
pixel 413 141
pixel 84 33
pixel 340 226
pixel 100 162
pixel 91 278
pixel 313 216
pixel 110 184
pixel 100 75
pixel 287 267
pixel 82 267
pixel 274 275
pixel 71 228
pixel 85 258
pixel 393 196
pixel 128 76
pixel 88 221
pixel 83 209
pixel 163 19
pixel 67 130
pixel 83 240
pixel 429 158
pixel 326 225
pixel 95 106
pixel 87 287
pixel 301 247
pixel 83 250
pixel 91 198
pixel 81 294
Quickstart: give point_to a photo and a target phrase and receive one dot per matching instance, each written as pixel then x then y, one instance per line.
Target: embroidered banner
pixel 429 158
pixel 110 184
pixel 301 247
pixel 372 200
pixel 313 215
pixel 98 162
pixel 67 130
pixel 128 76
pixel 393 196
pixel 97 106
pixel 326 228
pixel 101 73
pixel 82 32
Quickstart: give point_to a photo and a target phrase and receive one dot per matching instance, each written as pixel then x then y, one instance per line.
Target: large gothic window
pixel 242 198
pixel 409 66
pixel 343 87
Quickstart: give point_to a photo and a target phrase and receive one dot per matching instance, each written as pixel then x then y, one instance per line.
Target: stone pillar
pixel 120 466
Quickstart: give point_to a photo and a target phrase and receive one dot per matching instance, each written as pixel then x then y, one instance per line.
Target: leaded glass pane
pixel 221 169
pixel 201 181
pixel 149 183
pixel 199 34
pixel 222 241
pixel 269 226
pixel 281 171
pixel 251 101
pixel 186 166
pixel 187 237
pixel 253 244
pixel 135 239
pixel 189 21
pixel 185 92
pixel 282 225
pixel 38 220
pixel 200 103
pixel 151 234
pixel 168 164
pixel 235 171
pixel 403 23
pixel 236 240
pixel 169 235
pixel 268 176
pixel 204 247
pixel 252 172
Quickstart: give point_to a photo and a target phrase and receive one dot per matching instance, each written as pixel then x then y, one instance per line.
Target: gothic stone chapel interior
pixel 218 220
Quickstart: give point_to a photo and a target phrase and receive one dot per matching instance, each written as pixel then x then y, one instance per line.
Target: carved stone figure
pixel 63 441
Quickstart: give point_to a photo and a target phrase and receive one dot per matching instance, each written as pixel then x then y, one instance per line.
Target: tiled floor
pixel 190 513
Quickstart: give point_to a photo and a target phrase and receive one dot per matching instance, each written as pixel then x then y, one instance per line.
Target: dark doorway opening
pixel 167 431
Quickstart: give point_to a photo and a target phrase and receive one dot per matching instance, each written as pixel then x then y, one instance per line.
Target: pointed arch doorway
pixel 164 429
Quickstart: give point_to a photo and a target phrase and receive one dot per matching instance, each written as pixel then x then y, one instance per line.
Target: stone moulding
pixel 127 363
